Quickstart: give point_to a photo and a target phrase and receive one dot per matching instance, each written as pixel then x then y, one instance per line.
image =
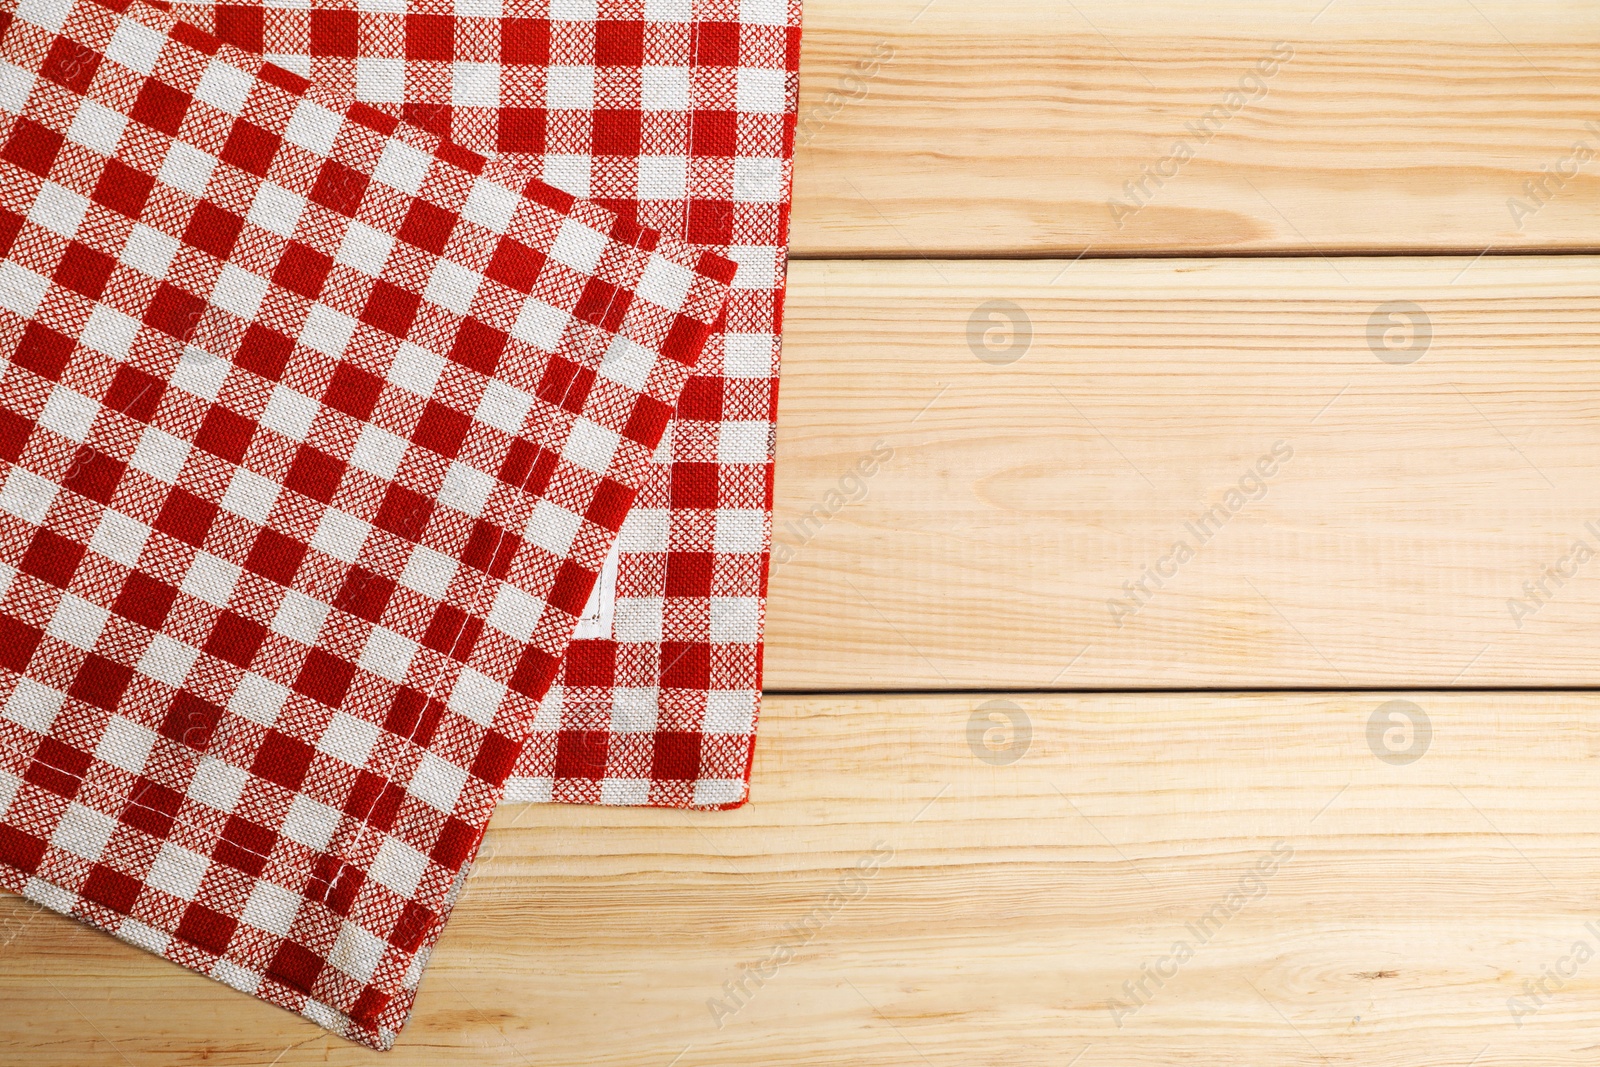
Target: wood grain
pixel 1020 498
pixel 949 521
pixel 951 128
pixel 1007 905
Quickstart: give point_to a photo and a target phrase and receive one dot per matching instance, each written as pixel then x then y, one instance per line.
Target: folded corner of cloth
pixel 315 432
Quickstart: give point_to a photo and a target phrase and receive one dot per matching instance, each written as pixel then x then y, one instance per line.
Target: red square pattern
pixel 299 501
pixel 685 120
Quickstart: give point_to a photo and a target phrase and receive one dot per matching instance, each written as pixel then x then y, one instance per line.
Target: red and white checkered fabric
pixel 316 431
pixel 680 114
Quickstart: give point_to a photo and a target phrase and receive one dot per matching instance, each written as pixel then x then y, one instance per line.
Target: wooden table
pixel 1180 643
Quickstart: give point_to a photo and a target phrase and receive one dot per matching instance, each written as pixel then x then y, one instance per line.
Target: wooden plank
pixel 1006 127
pixel 1002 905
pixel 1421 533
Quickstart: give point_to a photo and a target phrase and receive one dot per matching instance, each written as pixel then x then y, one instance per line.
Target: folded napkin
pixel 316 430
pixel 679 114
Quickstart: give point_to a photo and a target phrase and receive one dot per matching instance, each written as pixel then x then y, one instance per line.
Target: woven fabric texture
pixel 316 430
pixel 679 114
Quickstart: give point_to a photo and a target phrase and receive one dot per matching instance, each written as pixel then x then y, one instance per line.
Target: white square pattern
pixel 118 537
pixel 378 452
pixel 504 406
pixel 364 248
pixel 276 209
pixel 58 209
pixel 452 286
pixel 540 325
pixel 491 205
pixel 515 612
pixel 477 696
pixel 665 283
pixel 200 373
pixel 327 330
pixel 271 908
pixel 15 85
pixel 187 168
pixel 250 495
pixel 217 784
pixel 401 167
pixel 664 88
pixel 97 127
pixel 399 866
pixel 34 705
pixel 149 251
pixel 761 91
pixel 168 660
pixel 135 46
pixel 178 871
pixel 69 413
pixel 224 87
pixel 83 831
pixel 340 535
pixel 467 488
pixel 349 739
pixel 388 654
pixel 110 331
pixel 211 579
pixel 290 413
pixel 125 745
pixel 300 617
pixel 160 455
pixel 258 699
pixel 570 88
pixel 239 291
pixel 313 128
pixel 591 446
pixel 357 952
pixel 310 823
pixel 553 527
pixel 579 247
pixel 663 177
pixel 77 622
pixel 21 289
pixel 416 369
pixel 428 572
pixel 438 782
pixel 475 84
pixel 380 80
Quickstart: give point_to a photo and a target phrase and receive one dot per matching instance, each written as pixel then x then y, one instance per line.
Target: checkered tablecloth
pixel 316 430
pixel 679 114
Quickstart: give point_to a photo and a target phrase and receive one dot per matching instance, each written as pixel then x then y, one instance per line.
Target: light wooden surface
pixel 1020 498
pixel 958 127
pixel 950 519
pixel 1010 903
